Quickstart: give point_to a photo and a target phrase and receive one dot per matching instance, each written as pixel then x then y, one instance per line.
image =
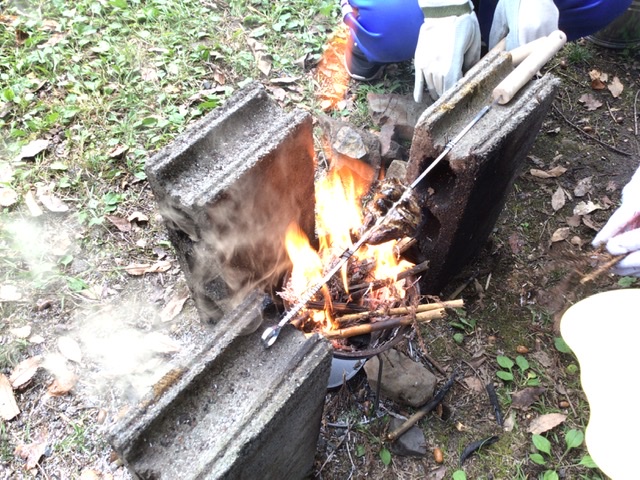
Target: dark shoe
pixel 357 65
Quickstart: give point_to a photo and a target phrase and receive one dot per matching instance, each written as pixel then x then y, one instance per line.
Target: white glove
pixel 621 234
pixel 447 46
pixel 522 21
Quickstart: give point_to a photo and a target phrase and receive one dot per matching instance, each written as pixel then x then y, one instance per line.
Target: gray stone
pixel 410 443
pixel 403 380
pixel 342 140
pixel 397 169
pixel 399 111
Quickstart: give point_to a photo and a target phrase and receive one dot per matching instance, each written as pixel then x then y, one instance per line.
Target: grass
pixel 107 84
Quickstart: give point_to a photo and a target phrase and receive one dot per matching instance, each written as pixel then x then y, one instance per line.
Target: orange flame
pixel 338 216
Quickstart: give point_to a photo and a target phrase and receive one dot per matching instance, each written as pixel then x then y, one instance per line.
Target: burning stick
pixel 425 307
pixel 421 267
pixel 385 324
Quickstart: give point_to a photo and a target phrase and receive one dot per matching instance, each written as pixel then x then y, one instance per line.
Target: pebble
pixel 403 380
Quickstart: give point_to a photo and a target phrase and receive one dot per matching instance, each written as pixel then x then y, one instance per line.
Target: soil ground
pixel 514 292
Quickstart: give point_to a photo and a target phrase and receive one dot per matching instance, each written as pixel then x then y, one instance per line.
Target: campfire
pixel 375 298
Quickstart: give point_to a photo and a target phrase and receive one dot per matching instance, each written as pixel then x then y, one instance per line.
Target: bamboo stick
pixel 385 324
pixel 425 307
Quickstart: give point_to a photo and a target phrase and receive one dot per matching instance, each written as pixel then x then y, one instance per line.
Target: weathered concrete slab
pixel 464 195
pixel 228 188
pixel 235 411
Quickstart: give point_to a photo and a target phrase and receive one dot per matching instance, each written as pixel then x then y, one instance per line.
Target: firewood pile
pixel 359 312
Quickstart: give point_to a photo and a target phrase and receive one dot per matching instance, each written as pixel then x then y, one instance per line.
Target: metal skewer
pixel 501 94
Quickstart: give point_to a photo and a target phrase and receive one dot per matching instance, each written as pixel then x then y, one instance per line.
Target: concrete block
pixel 235 411
pixel 228 188
pixel 463 196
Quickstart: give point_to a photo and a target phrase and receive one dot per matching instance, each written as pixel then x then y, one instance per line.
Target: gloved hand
pixel 522 21
pixel 448 45
pixel 621 234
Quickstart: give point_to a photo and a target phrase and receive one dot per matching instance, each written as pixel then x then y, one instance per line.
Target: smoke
pixel 124 345
pixel 234 244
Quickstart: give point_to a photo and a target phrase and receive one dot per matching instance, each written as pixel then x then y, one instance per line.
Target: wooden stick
pixel 415 418
pixel 604 268
pixel 425 307
pixel 384 324
pixel 576 127
pixel 337 307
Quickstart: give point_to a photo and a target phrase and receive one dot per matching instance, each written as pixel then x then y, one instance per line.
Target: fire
pixel 338 218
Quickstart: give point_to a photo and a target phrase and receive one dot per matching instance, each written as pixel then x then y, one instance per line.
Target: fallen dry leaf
pixel 510 422
pixel 174 306
pixel 560 234
pixel 53 203
pixel 8 406
pixel 553 173
pixel 573 221
pixel 24 371
pixel 615 87
pixel 546 422
pixel 32 149
pixel 526 397
pixel 542 358
pixel 62 383
pixel 32 452
pixel 9 293
pixel 120 223
pixel 583 187
pixel 138 217
pixel 70 349
pixel 118 151
pixel 159 267
pixel 590 102
pixel 589 223
pixel 597 83
pixel 32 205
pixel 558 199
pixel 474 383
pixel 8 196
pixel 137 269
pixel 577 241
pixel 263 59
pixel 21 332
pixel 584 208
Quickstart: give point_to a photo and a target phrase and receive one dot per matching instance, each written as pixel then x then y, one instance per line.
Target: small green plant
pixel 464 324
pixel 75 441
pixel 523 373
pixel 561 345
pixel 626 282
pixel 573 438
pixel 385 456
pixel 459 475
pixel 578 54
